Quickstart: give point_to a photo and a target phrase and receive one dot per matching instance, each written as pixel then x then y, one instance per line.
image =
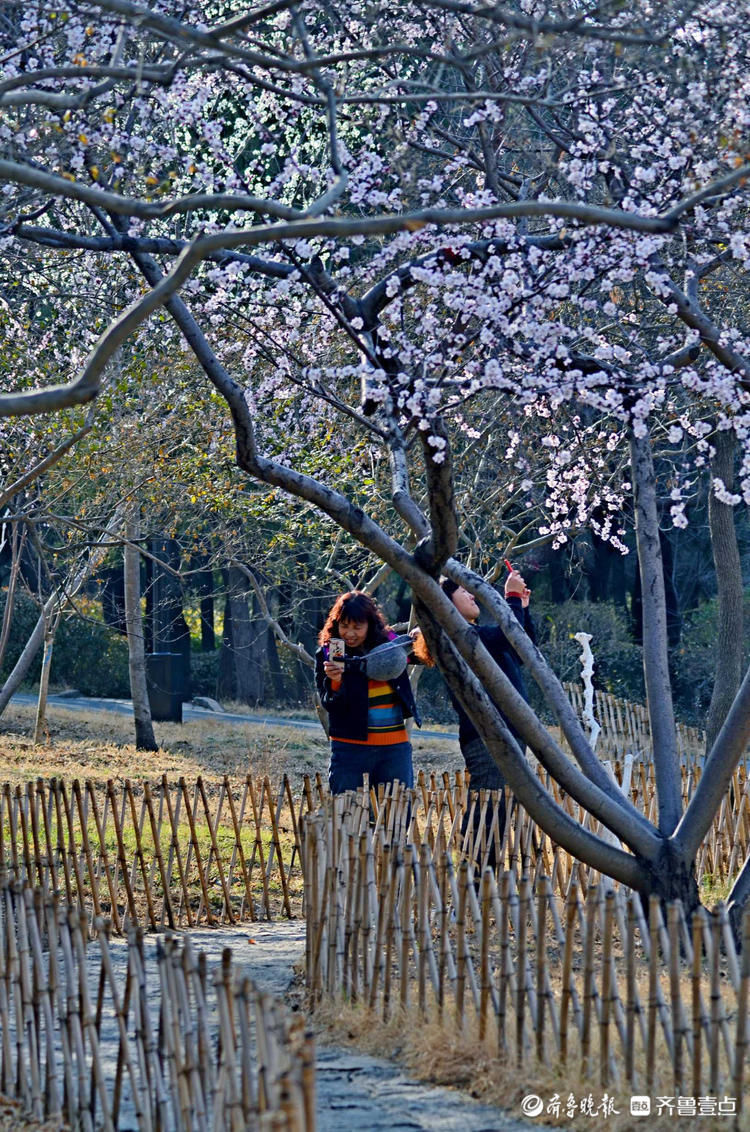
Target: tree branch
pixel 655 658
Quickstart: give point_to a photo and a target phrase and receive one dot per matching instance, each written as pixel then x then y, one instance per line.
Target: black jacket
pixel 347 706
pixel 503 653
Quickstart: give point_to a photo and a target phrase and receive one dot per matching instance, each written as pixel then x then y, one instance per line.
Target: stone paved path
pixel 354 1091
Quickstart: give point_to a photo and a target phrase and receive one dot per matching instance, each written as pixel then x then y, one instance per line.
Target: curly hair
pixel 356 605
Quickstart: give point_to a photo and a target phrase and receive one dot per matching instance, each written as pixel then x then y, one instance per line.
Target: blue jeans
pixel 351 761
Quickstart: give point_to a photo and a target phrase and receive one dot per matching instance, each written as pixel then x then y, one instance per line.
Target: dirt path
pixel 354 1091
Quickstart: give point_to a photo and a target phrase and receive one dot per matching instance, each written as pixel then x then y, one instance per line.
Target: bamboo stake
pixel 27 1018
pixel 396 865
pixel 678 1027
pixel 104 858
pixel 741 1039
pixel 521 984
pixel 607 988
pixel 406 914
pixel 212 825
pixel 653 1001
pixel 93 883
pixel 240 852
pixel 35 918
pixel 174 853
pixel 588 978
pixel 716 1003
pixel 697 1012
pixel 78 927
pixel 170 1044
pixel 382 902
pixel 132 913
pixel 155 833
pixel 258 847
pixel 276 842
pixel 196 848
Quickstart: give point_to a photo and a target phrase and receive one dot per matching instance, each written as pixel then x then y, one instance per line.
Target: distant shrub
pixel 87 655
pixel 91 657
pixel 204 672
pixel 694 662
pixel 618 662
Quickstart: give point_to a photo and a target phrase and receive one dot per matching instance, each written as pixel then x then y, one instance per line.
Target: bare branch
pixel 44 465
pixel 299 650
pixel 86 387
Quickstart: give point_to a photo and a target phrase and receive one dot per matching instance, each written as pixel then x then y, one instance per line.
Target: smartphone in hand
pixel 336 649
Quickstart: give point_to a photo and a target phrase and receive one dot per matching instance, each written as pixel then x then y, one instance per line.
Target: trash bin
pixel 164 680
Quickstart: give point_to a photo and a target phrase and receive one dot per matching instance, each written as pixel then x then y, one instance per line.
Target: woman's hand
pixel 334 670
pixel 516 586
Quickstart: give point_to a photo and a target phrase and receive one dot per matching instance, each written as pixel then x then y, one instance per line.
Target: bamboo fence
pixel 103 1044
pixel 171 855
pixel 625 728
pixel 582 980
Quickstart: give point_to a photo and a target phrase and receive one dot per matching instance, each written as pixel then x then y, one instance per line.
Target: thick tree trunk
pixel 17 545
pixel 655 650
pixel 170 630
pixel 728 675
pixel 259 636
pixel 144 728
pixel 206 589
pixel 242 637
pixel 226 684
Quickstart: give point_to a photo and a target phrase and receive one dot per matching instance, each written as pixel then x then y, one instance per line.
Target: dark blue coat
pixel 503 653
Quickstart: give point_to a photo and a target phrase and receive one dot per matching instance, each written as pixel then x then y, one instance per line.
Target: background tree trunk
pixel 144 728
pixel 50 628
pixel 726 555
pixel 17 545
pixel 206 591
pixel 242 637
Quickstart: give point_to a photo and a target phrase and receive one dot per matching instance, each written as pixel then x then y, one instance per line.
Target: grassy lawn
pixel 99 745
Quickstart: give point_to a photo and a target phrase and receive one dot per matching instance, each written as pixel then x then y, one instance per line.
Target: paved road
pixel 355 1092
pixel 125 707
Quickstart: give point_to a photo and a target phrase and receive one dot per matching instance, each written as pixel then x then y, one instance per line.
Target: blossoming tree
pixel 370 225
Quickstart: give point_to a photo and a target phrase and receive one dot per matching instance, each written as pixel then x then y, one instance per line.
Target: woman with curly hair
pixel 366 715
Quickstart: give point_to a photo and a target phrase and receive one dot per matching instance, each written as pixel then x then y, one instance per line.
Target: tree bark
pixel 144 728
pixel 655 650
pixel 17 545
pixel 50 629
pixel 206 589
pixel 726 555
pixel 226 682
pixel 242 637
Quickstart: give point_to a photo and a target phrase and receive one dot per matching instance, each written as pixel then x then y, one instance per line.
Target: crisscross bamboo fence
pixel 175 854
pixel 190 1049
pixel 584 979
pixel 625 727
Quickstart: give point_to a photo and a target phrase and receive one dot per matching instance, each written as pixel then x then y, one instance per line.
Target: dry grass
pixel 99 745
pixel 441 1054
pixel 12 1119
